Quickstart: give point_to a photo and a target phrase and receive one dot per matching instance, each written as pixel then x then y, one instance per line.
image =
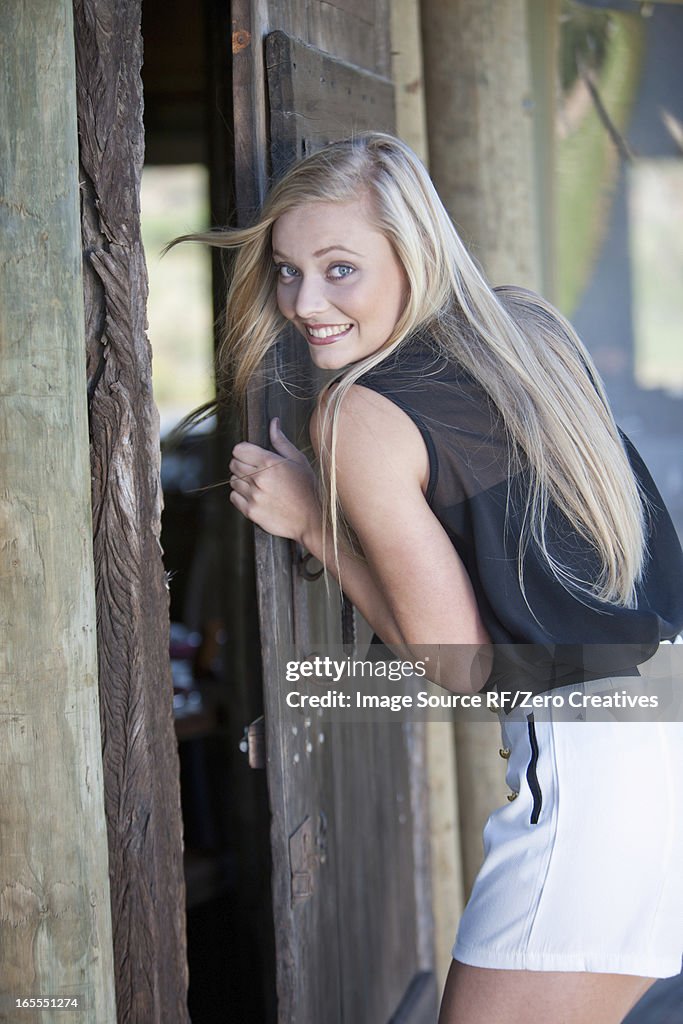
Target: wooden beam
pixel 142 789
pixel 55 924
pixel 543 21
pixel 407 75
pixel 479 124
pixel 446 877
pixel 480 136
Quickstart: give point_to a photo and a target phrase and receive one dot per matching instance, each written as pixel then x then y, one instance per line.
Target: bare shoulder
pixel 375 438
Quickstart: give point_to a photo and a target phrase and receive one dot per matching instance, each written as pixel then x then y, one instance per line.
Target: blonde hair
pixel 521 351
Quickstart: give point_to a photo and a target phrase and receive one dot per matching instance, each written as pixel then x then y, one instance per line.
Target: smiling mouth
pixel 325 334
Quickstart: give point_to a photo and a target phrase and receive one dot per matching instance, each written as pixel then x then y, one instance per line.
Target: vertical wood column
pixel 407 74
pixel 481 155
pixel 543 19
pixel 479 124
pixel 444 838
pixel 55 924
pixel 142 792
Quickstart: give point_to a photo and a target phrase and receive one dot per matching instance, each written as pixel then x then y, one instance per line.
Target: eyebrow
pixel 323 252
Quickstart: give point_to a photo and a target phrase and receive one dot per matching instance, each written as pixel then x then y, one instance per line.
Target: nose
pixel 310 297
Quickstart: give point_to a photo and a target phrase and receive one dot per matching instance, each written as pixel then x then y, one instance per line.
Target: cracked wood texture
pixel 55 924
pixel 141 775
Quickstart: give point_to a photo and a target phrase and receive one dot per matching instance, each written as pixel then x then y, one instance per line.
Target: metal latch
pixel 253 743
pixel 307 851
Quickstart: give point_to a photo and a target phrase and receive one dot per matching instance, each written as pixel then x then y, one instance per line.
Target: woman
pixel 476 491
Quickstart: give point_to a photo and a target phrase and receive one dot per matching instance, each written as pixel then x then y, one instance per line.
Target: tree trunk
pixel 142 794
pixel 55 924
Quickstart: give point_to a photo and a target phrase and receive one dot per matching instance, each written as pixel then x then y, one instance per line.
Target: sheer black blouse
pixel 546 634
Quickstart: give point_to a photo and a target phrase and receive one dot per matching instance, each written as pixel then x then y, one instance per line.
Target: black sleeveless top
pixel 546 635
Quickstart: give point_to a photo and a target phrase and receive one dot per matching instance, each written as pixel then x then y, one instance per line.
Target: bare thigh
pixel 478 995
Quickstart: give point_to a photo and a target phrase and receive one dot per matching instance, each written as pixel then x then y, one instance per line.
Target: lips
pixel 325 334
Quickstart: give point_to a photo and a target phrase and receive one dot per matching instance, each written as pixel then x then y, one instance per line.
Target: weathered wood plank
pixel 247 814
pixel 349 949
pixel 360 9
pixel 315 98
pixel 298 755
pixel 249 108
pixel 374 839
pixel 318 774
pixel 140 751
pixel 383 39
pixel 349 30
pixel 55 922
pixel 340 33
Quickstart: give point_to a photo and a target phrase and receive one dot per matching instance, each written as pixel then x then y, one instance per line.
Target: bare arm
pixel 413 588
pixel 277 491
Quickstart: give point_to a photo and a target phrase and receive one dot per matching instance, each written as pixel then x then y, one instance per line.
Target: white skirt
pixel 583 870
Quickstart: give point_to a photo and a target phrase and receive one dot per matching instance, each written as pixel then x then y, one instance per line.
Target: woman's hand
pixel 276 490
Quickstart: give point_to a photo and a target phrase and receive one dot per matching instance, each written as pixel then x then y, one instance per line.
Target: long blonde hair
pixel 521 351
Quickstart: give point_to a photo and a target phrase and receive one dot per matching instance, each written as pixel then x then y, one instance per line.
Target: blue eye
pixel 285 272
pixel 343 270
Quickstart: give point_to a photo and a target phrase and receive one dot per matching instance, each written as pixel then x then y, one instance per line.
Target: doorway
pixel 208 557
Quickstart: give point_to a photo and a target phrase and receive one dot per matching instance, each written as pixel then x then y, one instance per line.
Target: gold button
pixel 504 752
pixel 512 796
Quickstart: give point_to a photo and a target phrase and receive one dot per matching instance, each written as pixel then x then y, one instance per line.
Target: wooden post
pixel 444 839
pixel 407 75
pixel 479 123
pixel 55 924
pixel 142 792
pixel 543 19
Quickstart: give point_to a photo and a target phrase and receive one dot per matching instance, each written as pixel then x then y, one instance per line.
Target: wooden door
pixel 349 835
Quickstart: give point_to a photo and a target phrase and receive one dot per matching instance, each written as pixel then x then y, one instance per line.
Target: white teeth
pixel 327 332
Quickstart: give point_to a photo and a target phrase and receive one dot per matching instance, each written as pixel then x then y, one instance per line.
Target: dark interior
pixel 207 556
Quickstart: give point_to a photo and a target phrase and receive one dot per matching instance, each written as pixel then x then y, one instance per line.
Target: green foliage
pixel 587 160
pixel 174 202
pixel 584 36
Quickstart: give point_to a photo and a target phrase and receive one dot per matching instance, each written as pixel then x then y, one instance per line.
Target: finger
pixel 240 503
pixel 282 445
pixel 253 474
pixel 249 453
pixel 239 468
pixel 249 471
pixel 240 485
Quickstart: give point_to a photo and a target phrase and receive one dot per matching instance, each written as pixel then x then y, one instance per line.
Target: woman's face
pixel 338 280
